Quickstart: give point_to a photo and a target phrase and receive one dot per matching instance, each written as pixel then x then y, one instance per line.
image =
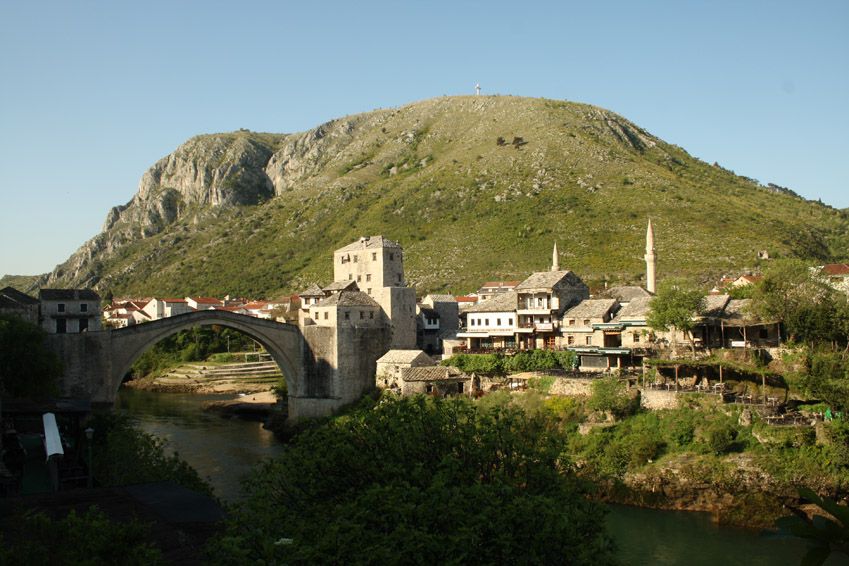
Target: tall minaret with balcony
pixel 555 259
pixel 651 260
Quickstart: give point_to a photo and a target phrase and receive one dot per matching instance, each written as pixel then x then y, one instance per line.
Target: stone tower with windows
pixel 376 265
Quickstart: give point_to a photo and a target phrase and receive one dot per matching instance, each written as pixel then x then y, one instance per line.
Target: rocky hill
pixel 474 188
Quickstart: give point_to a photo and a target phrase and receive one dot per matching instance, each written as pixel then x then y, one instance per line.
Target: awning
pixel 52 440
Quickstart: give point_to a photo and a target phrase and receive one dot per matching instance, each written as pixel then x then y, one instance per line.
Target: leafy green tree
pixel 677 306
pixel 610 395
pixel 28 368
pixel 416 480
pixel 88 540
pixel 788 289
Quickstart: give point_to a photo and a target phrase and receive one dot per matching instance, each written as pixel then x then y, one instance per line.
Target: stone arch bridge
pixel 325 368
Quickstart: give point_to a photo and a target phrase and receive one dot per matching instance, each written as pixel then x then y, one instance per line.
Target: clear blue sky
pixel 94 93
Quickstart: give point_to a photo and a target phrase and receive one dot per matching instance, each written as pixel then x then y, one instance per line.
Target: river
pixel 225 450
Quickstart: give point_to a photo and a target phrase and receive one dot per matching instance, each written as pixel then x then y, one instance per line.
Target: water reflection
pixel 221 450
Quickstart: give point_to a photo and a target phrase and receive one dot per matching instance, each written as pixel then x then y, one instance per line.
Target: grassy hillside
pixel 479 188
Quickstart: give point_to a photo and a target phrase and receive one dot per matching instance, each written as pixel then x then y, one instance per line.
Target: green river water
pixel 225 450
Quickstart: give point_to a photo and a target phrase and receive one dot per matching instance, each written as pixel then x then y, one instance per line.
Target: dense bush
pixel 418 480
pixel 88 540
pixel 27 367
pixel 523 361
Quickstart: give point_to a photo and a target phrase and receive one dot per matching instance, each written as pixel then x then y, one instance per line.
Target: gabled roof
pixel 441 298
pixel 500 286
pixel 313 291
pixel 434 373
pixel 543 280
pixel 591 308
pixel 348 299
pixel 370 243
pixel 625 293
pixel 637 309
pixel 13 296
pixel 405 357
pixel 68 295
pixel 737 313
pixel 502 302
pixel 429 313
pixel 205 300
pixel 341 286
pixel 714 305
pixel 836 269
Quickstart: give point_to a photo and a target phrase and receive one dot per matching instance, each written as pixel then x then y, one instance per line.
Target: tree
pixel 28 368
pixel 789 293
pixel 676 306
pixel 417 480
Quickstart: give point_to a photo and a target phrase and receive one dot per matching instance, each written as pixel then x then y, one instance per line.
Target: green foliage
pixel 676 305
pixel 827 378
pixel 520 362
pixel 89 540
pixel 124 455
pixel 418 481
pixel 720 436
pixel 611 396
pixel 193 345
pixel 27 367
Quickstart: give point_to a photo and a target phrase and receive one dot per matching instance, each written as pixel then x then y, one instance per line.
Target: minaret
pixel 478 88
pixel 651 260
pixel 555 259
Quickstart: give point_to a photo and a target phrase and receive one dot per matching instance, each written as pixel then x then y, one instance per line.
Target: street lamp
pixel 89 433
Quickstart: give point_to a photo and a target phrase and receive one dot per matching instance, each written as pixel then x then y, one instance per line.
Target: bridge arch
pixel 283 342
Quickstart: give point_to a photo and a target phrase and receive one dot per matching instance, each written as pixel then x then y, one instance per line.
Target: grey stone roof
pixel 591 308
pixel 502 302
pixel 313 291
pixel 405 357
pixel 737 313
pixel 15 297
pixel 542 280
pixel 715 305
pixel 435 373
pixel 372 242
pixel 442 298
pixel 625 293
pixel 637 309
pixel 348 299
pixel 68 295
pixel 342 286
pixel 429 313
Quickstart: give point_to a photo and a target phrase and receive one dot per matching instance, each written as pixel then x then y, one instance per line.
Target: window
pixel 362 315
pixel 571 322
pixel 497 322
pixel 570 340
pixel 355 258
pixel 391 257
pixel 61 326
pixel 347 315
pixel 371 314
pixel 636 338
pixel 589 340
pixel 369 291
pixel 84 307
pixel 509 322
pixel 399 277
pixel 471 322
pixel 374 256
pixel 350 276
pixel 60 307
pixel 83 325
pixel 486 322
pixel 325 315
pixel 368 277
pixel 359 278
pixel 586 322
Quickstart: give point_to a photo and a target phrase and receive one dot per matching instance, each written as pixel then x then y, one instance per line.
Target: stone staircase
pixel 254 372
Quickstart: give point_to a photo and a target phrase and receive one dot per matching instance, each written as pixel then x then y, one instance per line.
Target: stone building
pixel 376 265
pixel 542 299
pixel 436 316
pixel 69 311
pixel 19 304
pixel 391 364
pixel 436 380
